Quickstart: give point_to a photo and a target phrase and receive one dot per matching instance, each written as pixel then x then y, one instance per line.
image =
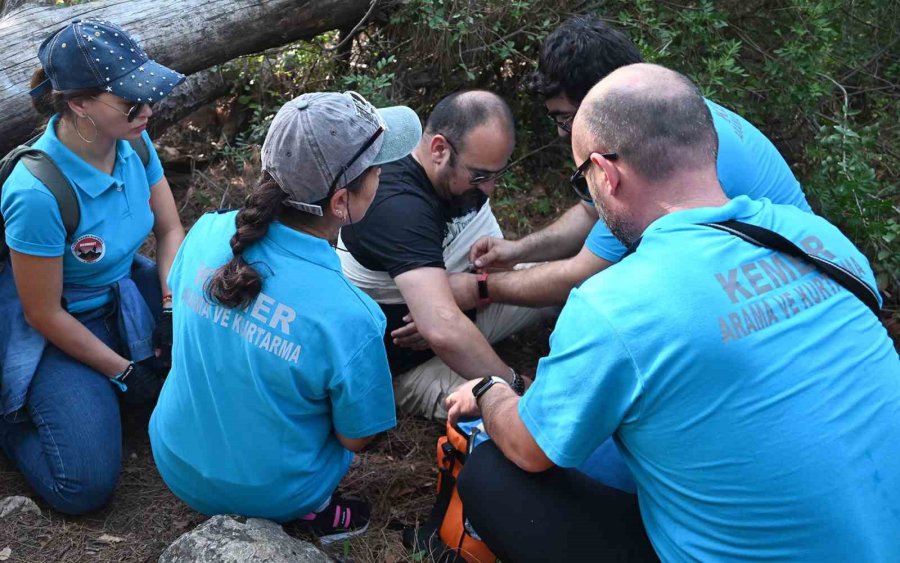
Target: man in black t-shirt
pixel 429 209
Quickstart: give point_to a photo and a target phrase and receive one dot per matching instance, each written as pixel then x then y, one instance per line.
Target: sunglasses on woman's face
pixel 132 112
pixel 579 182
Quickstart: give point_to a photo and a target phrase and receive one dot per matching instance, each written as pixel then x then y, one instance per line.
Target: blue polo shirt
pixel 247 418
pixel 755 400
pixel 115 214
pixel 748 164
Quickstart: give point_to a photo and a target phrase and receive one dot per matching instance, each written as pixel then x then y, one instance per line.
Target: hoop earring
pixel 78 131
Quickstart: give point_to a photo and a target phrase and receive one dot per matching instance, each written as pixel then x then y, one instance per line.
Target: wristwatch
pixel 518 384
pixel 486 383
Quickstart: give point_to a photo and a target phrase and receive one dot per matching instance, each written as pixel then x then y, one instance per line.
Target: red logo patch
pixel 89 249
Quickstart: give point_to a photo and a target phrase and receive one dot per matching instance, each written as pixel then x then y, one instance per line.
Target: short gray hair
pixel 659 126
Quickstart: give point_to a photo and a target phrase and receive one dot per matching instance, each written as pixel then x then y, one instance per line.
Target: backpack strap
pixel 765 238
pixel 140 147
pixel 44 169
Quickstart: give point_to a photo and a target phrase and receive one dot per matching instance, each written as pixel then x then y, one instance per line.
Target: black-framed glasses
pixel 132 112
pixel 378 132
pixel 562 120
pixel 579 182
pixel 479 176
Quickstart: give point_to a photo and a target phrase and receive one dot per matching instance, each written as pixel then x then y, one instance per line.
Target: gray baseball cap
pixel 314 137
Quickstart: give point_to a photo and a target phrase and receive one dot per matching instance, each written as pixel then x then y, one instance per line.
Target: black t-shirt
pixel 406 227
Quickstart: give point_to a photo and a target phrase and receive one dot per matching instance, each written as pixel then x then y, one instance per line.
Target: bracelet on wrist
pixel 119 379
pixel 484 297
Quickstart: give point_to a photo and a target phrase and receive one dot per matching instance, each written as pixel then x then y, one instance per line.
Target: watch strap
pixel 485 384
pixel 518 384
pixel 484 297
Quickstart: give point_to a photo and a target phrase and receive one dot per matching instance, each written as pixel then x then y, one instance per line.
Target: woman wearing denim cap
pixel 279 370
pixel 91 303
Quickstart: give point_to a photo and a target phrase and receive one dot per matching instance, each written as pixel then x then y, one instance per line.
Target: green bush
pixel 819 78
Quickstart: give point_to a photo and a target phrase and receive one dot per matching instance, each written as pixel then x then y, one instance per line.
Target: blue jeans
pixel 70 449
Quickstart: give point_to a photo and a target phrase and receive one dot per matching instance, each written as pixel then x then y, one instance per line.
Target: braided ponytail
pixel 237 283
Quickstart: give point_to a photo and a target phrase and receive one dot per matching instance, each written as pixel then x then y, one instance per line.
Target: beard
pixel 471 198
pixel 618 225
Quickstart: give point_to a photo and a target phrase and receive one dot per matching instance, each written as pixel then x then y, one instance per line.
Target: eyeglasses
pixel 479 176
pixel 562 120
pixel 579 182
pixel 354 158
pixel 132 112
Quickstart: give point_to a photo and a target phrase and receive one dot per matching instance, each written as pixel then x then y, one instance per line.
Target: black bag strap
pixel 763 237
pixel 140 147
pixel 44 169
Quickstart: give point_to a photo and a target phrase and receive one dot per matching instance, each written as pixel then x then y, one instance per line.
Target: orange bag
pixel 458 542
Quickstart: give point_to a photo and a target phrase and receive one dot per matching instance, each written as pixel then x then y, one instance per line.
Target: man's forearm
pixel 545 284
pixel 464 348
pixel 561 239
pixel 500 410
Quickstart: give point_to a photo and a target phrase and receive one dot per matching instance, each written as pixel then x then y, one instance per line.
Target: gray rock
pixel 232 539
pixel 18 505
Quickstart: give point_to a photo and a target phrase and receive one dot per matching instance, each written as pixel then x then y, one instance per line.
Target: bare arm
pixel 561 239
pixel 353 444
pixel 499 407
pixel 452 336
pixel 166 228
pixel 39 285
pixel 538 286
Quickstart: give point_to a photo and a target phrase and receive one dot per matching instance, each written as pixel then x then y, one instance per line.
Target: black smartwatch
pixel 486 383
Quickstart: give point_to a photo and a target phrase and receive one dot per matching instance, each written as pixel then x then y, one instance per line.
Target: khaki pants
pixel 421 391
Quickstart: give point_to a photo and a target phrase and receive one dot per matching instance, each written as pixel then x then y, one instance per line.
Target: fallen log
pixel 186 35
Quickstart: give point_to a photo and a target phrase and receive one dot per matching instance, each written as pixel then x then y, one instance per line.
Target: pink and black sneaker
pixel 343 518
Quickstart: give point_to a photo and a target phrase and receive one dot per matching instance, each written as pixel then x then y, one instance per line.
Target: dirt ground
pixel 396 474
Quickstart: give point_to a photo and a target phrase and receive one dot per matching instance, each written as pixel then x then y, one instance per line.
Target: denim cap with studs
pixel 313 136
pixel 92 54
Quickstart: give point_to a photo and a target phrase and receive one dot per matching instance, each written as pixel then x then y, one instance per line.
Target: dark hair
pixel 238 283
pixel 53 101
pixel 660 126
pixel 577 55
pixel 459 113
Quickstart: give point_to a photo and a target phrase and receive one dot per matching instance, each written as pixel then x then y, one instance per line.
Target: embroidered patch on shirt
pixel 89 249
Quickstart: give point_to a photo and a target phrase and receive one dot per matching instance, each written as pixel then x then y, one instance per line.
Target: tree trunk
pixel 197 90
pixel 186 35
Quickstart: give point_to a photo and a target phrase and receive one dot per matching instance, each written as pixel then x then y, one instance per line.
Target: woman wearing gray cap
pixel 279 370
pixel 91 303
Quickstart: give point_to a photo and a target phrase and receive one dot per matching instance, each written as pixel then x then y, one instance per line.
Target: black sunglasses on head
pixel 354 158
pixel 579 182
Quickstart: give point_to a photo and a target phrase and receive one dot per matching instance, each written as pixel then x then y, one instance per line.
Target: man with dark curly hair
pixel 574 57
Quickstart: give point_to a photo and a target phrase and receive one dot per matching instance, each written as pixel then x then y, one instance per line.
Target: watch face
pixel 481 387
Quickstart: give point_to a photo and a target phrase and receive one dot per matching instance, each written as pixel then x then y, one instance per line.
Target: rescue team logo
pixel 89 249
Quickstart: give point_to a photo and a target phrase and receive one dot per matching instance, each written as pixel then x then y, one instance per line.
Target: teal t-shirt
pixel 747 164
pixel 755 400
pixel 246 420
pixel 115 214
